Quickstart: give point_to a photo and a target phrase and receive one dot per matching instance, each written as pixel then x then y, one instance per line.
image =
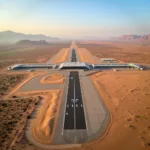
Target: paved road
pixel 74 116
pixel 34 84
pixel 73 57
pixel 95 113
pixel 71 121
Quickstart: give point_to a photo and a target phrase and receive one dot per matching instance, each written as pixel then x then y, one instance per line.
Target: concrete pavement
pixel 34 84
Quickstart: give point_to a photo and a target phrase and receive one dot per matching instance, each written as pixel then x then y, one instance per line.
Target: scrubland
pixel 126 52
pixel 8 81
pixel 13 117
pixel 11 54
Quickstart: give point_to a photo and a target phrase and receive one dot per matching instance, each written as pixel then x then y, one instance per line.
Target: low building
pixel 108 60
pixel 113 66
pixel 74 65
pixel 136 66
pixel 31 66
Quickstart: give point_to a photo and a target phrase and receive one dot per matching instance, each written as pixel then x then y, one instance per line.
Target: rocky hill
pixel 136 37
pixel 28 42
pixel 13 37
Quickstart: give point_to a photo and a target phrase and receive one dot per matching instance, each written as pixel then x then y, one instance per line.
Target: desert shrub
pixel 11 118
pixel 9 81
pixel 28 117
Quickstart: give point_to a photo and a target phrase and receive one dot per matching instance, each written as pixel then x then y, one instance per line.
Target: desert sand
pixel 62 56
pixel 85 55
pixel 123 51
pixel 28 54
pixel 42 59
pixel 127 95
pixel 44 125
pixel 53 79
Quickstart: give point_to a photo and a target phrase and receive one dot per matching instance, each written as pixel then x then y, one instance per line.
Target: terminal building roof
pixel 107 59
pixel 74 64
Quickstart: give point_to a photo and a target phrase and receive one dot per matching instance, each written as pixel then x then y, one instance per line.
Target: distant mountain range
pixel 136 37
pixel 12 37
pixel 28 42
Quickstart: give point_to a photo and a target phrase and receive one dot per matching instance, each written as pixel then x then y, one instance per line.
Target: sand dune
pixel 44 124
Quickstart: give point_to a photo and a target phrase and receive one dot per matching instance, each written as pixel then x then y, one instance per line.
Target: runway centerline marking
pixel 75 120
pixel 74 107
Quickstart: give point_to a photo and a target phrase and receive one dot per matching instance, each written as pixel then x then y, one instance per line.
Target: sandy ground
pixel 53 79
pixel 85 55
pixel 42 59
pixel 127 95
pixel 124 51
pixel 14 54
pixel 44 124
pixel 63 55
pixel 43 128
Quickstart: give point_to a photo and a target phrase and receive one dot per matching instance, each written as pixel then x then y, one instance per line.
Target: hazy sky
pixel 76 18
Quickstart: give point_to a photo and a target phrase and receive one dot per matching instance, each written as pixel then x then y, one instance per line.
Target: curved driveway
pixel 34 84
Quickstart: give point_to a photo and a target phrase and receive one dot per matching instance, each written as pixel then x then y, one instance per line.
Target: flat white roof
pixel 74 64
pixel 111 64
pixel 32 65
pixel 117 65
pixel 107 59
pixel 136 65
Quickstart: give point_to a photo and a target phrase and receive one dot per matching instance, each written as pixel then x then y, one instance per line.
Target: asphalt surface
pixel 35 85
pixel 74 115
pixel 73 57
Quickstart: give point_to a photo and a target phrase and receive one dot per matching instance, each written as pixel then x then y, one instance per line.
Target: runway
pixel 73 57
pixel 74 114
pixel 82 116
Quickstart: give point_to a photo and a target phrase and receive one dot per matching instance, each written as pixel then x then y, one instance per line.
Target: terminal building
pixel 74 65
pixel 114 66
pixel 32 66
pixel 108 60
